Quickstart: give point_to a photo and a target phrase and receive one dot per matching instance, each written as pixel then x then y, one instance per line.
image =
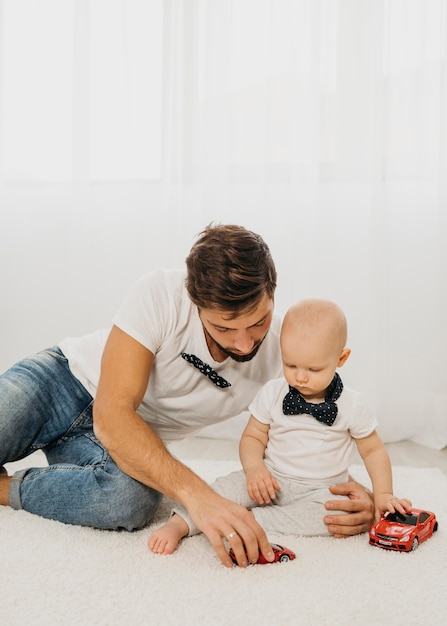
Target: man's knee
pixel 84 496
pixel 126 504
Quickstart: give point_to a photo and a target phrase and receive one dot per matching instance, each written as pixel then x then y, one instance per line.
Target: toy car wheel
pixel 283 558
pixel 415 544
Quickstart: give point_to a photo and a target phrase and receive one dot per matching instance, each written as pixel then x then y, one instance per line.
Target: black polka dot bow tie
pixel 206 370
pixel 325 412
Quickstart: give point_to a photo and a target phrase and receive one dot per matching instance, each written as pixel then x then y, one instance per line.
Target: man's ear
pixel 344 356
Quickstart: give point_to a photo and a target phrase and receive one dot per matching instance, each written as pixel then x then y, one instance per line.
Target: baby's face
pixel 309 363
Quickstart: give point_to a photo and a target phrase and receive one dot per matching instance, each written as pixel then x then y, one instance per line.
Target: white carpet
pixel 58 575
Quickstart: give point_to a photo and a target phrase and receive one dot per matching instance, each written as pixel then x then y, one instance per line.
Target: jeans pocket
pixel 57 353
pixel 83 425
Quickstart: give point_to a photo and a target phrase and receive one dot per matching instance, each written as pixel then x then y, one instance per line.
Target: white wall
pixel 68 256
pixel 322 126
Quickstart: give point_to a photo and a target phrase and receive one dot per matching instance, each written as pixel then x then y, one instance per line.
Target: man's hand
pixel 359 510
pixel 221 519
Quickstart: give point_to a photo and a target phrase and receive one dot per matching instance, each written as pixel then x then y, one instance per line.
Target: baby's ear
pixel 344 356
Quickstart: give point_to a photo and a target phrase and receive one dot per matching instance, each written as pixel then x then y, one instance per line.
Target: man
pixel 181 354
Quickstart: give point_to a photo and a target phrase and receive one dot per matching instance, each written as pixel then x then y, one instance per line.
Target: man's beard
pixel 240 358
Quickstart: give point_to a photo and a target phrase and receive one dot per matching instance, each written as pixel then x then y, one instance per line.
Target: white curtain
pixel 127 126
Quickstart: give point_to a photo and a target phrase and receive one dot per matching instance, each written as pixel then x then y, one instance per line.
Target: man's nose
pixel 244 343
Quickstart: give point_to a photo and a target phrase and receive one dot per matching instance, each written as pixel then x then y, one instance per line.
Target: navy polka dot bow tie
pixel 325 412
pixel 206 370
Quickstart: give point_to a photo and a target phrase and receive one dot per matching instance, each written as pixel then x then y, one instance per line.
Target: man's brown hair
pixel 229 268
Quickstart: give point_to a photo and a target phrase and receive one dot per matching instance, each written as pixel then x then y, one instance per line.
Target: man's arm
pixel 140 453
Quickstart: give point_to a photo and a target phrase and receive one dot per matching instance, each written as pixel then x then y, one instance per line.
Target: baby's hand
pixel 261 485
pixel 387 502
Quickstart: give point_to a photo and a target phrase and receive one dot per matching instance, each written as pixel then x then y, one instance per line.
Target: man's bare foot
pixel 165 539
pixel 5 482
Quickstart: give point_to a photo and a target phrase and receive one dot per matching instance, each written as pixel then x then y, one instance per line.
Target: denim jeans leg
pixel 44 406
pixel 39 401
pixel 97 494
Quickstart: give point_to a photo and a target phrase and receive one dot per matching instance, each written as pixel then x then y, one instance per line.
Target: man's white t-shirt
pixel 179 399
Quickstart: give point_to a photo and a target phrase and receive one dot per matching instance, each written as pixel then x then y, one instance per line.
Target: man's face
pixel 239 338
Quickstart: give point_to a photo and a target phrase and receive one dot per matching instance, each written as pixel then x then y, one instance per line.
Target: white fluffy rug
pixel 58 575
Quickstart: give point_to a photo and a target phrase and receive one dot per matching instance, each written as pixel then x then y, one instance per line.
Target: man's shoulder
pixel 275 387
pixel 276 324
pixel 278 383
pixel 162 285
pixel 167 277
pixel 274 333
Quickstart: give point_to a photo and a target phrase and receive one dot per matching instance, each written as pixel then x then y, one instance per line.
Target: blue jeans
pixel 44 407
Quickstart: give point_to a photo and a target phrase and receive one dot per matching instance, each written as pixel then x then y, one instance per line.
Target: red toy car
pixel 282 554
pixel 404 533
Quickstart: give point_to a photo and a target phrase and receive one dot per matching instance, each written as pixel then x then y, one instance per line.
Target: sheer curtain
pixel 127 126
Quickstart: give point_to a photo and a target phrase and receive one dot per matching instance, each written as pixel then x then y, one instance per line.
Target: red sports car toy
pixel 282 554
pixel 404 533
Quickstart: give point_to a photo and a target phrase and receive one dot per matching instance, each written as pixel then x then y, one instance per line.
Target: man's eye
pixel 263 322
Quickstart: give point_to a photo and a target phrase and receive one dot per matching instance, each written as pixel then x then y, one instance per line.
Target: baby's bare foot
pixel 165 539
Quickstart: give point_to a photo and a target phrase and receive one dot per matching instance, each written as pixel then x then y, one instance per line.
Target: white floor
pixel 401 453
